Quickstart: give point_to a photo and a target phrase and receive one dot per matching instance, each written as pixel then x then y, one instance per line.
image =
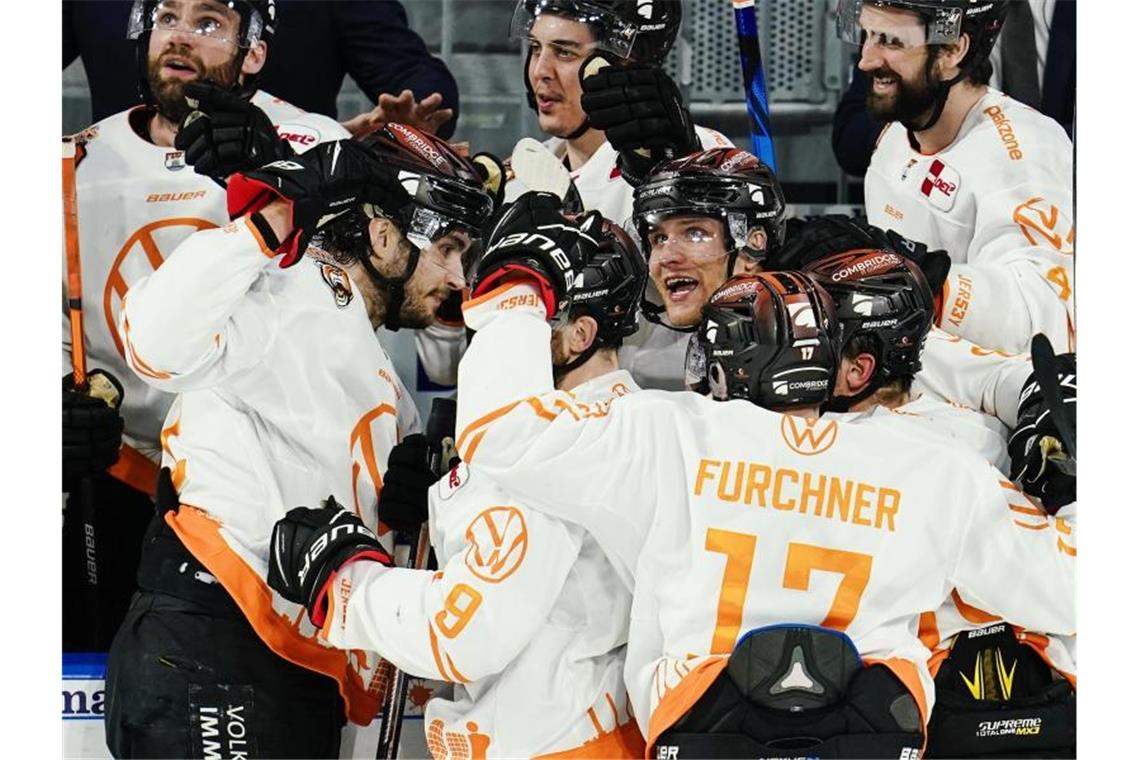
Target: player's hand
pixel 92 425
pixel 1038 459
pixel 642 113
pixel 425 115
pixel 226 133
pixel 404 498
pixel 320 185
pixel 531 239
pixel 309 546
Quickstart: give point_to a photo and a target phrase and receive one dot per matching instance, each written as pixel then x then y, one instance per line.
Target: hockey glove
pixel 308 548
pixel 1038 459
pixel 92 425
pixel 641 111
pixel 404 498
pixel 320 184
pixel 226 133
pixel 532 239
pixel 815 237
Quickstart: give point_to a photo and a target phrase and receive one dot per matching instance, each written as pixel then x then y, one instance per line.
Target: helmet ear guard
pixel 767 338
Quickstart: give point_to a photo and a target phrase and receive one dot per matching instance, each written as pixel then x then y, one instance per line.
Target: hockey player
pixel 285 396
pixel 734 497
pixel 964 168
pixel 137 198
pixel 884 311
pixel 701 219
pixel 521 600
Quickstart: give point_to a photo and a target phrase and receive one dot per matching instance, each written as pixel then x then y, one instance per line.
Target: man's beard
pixel 169 93
pixel 414 312
pixel 909 101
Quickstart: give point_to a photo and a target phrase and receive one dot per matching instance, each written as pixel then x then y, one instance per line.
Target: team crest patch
pixel 452 481
pixel 175 161
pixel 941 185
pixel 339 282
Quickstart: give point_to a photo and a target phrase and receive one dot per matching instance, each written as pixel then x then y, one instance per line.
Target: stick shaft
pixel 755 81
pixel 74 271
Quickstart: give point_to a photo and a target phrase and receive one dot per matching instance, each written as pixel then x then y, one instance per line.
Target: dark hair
pixel 978 69
pixel 869 343
pixel 345 239
pixel 603 340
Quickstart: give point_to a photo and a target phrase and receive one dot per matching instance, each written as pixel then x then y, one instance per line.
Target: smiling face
pixel 558 46
pixel 687 263
pixel 894 59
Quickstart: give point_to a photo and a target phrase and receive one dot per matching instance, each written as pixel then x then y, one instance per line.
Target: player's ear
pixel 255 58
pixel 861 370
pixel 583 331
pixel 951 55
pixel 383 235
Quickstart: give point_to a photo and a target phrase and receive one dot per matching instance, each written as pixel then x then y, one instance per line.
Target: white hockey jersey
pixel 722 511
pixel 285 397
pixel 999 200
pixel 525 616
pixel 137 201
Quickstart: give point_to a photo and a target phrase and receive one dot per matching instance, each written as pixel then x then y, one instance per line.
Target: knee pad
pixel 794 690
pixel 996 697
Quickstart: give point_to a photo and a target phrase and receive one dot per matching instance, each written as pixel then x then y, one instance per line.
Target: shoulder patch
pixel 339 283
pixel 941 185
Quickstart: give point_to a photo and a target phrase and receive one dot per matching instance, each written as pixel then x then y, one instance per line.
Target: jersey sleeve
pixel 645 647
pixel 194 322
pixel 439 347
pixel 470 619
pixel 1015 561
pixel 1019 275
pixel 959 371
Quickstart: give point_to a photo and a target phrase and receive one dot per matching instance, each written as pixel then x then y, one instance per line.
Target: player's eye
pixel 697 235
pixel 208 25
pixel 565 53
pixel 166 20
pixel 534 46
pixel 658 238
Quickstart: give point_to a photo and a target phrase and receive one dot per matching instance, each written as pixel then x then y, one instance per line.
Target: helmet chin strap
pixel 582 129
pixel 393 287
pixel 941 93
pixel 562 370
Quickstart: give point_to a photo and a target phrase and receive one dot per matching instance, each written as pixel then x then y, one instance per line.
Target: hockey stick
pixel 79 376
pixel 755 82
pixel 440 434
pixel 1045 373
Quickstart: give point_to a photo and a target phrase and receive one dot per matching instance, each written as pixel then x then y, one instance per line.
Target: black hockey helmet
pixel 945 22
pixel 768 338
pixel 635 30
pixel 609 286
pixel 445 194
pixel 258 22
pixel 728 184
pixel 881 294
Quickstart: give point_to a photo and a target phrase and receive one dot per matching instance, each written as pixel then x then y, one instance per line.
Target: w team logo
pixel 498 542
pixel 808 437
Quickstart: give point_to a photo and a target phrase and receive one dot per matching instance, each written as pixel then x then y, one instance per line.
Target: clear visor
pixel 217 21
pixel 888 25
pixel 615 35
pixel 696 237
pixel 427 227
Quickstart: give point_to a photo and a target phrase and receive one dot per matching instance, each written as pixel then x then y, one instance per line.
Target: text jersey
pixel 137 201
pixel 732 517
pixel 285 397
pixel 999 200
pixel 525 616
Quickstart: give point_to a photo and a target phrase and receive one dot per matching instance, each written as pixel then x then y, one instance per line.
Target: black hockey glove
pixel 320 184
pixel 642 113
pixel 226 133
pixel 92 425
pixel 815 237
pixel 533 239
pixel 404 498
pixel 1038 459
pixel 309 546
